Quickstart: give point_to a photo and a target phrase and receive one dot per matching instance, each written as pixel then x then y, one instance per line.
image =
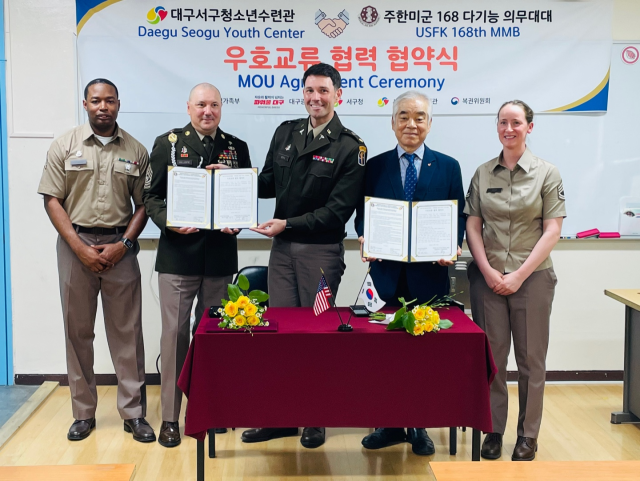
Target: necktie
pixel 309 138
pixel 411 177
pixel 208 146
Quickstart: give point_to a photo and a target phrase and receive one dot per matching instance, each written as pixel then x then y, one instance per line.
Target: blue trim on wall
pixel 6 331
pixel 83 6
pixel 598 103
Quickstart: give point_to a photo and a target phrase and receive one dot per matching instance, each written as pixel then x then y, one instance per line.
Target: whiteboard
pixel 594 152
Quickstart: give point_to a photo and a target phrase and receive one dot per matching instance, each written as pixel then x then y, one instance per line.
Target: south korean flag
pixel 369 296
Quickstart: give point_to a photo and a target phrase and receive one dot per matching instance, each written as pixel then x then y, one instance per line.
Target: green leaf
pixel 243 282
pixel 234 292
pixel 408 320
pixel 399 313
pixel 396 324
pixel 222 324
pixel 445 324
pixel 224 302
pixel 260 296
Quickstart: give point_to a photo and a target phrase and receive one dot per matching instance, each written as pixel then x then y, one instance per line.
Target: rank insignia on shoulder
pixel 327 160
pixel 173 138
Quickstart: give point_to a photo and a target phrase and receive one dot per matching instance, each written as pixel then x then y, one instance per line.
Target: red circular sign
pixel 630 55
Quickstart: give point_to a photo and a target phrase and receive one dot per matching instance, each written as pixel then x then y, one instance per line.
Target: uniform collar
pixel 87 131
pixel 331 129
pixel 524 162
pixel 201 136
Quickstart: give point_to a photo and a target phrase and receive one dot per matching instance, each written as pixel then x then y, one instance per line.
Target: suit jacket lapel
pixel 193 141
pixel 393 173
pixel 428 168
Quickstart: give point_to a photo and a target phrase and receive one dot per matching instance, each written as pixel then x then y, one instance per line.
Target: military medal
pixel 173 138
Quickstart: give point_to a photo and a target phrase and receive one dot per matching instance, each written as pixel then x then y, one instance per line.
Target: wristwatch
pixel 288 225
pixel 127 243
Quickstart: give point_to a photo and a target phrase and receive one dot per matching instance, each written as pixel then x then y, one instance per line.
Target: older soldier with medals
pixel 190 262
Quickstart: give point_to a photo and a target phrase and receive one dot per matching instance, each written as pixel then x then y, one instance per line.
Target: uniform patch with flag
pixel 370 297
pixel 321 303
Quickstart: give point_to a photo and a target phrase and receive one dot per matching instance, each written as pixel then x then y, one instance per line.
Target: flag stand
pixel 342 327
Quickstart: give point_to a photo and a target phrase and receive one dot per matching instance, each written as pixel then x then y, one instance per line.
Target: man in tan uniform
pixel 91 175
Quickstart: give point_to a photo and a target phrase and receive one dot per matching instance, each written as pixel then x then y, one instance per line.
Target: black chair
pixel 258 280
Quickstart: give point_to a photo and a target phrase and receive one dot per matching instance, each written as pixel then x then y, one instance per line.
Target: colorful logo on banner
pixel 630 55
pixel 455 100
pixel 369 16
pixel 383 101
pixel 338 103
pixel 156 15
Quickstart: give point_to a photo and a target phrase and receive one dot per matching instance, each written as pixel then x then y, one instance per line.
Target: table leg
pixel 212 443
pixel 453 441
pixel 475 445
pixel 626 416
pixel 200 461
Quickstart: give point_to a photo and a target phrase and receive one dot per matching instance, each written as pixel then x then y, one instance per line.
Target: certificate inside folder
pixel 195 199
pixel 405 231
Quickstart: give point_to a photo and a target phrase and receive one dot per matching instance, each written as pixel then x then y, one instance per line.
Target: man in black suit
pixel 413 172
pixel 190 262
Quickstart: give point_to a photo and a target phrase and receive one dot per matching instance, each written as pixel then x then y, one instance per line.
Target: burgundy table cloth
pixel 309 374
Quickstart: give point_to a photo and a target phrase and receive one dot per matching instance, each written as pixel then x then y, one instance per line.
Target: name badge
pixel 184 162
pixel 78 162
pixel 494 190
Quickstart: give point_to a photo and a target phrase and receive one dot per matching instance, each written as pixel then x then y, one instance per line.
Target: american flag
pixel 321 303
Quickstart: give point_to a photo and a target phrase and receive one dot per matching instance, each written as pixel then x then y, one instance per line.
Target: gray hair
pixel 410 95
pixel 204 85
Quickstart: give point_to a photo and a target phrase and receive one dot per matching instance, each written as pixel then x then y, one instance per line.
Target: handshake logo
pixel 332 27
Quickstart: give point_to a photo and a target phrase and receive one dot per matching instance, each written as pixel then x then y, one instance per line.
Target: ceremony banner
pixel 468 56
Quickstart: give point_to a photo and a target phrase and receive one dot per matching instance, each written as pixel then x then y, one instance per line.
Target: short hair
pixel 528 112
pixel 410 95
pixel 207 85
pixel 324 70
pixel 100 81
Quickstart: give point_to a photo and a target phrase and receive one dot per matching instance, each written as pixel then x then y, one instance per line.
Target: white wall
pixel 587 327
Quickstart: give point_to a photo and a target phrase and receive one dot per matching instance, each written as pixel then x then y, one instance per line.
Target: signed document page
pixel 386 229
pixel 235 202
pixel 188 197
pixel 434 230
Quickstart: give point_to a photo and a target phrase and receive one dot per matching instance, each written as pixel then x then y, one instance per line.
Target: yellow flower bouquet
pixel 422 318
pixel 243 309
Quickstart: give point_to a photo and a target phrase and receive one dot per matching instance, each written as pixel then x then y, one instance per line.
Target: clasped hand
pixel 99 258
pixel 503 284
